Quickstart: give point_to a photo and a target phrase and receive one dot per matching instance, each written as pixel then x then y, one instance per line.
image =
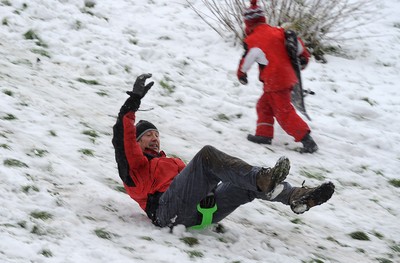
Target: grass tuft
pixel 47 253
pixel 195 254
pixel 359 235
pixel 87 152
pixel 9 117
pixel 14 163
pixel 88 81
pixel 43 215
pixel 191 241
pixel 395 182
pixel 101 233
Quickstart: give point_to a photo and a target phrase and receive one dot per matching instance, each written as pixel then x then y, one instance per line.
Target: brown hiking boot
pixel 303 198
pixel 268 178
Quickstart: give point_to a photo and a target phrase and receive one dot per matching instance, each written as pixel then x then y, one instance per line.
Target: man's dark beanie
pixel 142 127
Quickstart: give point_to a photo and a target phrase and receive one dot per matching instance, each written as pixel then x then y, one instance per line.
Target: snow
pixel 59 129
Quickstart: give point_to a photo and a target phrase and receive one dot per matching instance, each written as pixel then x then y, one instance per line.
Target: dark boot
pixel 309 145
pixel 303 198
pixel 269 178
pixel 259 139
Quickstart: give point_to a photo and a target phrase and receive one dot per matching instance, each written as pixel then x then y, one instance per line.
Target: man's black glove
pixel 242 77
pixel 138 92
pixel 139 89
pixel 303 62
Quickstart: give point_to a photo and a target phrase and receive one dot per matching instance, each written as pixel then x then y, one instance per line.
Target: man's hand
pixel 138 92
pixel 139 88
pixel 242 77
pixel 303 62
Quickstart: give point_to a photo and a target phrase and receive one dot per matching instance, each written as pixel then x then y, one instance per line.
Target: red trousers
pixel 278 105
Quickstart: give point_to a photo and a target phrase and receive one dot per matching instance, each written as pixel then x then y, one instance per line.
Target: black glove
pixel 242 77
pixel 139 88
pixel 138 92
pixel 303 62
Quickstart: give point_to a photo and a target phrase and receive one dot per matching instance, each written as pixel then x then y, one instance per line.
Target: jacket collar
pixel 150 154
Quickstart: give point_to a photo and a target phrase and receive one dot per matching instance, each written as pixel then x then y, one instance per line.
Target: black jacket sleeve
pixel 131 104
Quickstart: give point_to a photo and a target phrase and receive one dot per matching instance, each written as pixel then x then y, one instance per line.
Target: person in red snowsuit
pixel 265 45
pixel 170 192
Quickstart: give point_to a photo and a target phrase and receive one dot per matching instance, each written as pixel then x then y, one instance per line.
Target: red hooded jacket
pixel 266 46
pixel 149 174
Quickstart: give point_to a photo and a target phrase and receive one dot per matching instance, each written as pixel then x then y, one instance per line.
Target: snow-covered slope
pixel 60 194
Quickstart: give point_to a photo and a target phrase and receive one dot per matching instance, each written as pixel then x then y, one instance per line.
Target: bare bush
pixel 318 22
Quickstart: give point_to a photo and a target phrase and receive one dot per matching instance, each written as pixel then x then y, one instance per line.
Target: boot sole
pixel 317 197
pixel 279 174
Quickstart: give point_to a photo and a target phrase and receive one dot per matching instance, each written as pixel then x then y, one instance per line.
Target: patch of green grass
pixel 6 2
pixel 90 133
pixel 9 117
pixel 38 231
pixel 101 233
pixel 22 224
pixel 8 92
pixel 164 38
pixel 133 41
pixel 102 93
pixel 378 172
pixel 120 189
pixel 41 52
pixel 28 188
pixel 369 101
pixel 87 152
pixel 127 69
pixel 378 235
pixel 395 248
pixel 4 21
pixel 169 88
pixel 383 260
pixel 222 117
pixel 147 238
pixel 43 215
pixel 32 35
pixel 223 240
pixel 14 163
pixel 90 3
pixel 39 152
pixel 5 146
pixel 190 241
pixel 312 174
pixel 47 253
pixel 88 81
pixel 359 235
pixel 53 133
pixel 335 241
pixel 77 25
pixel 315 260
pixel 360 250
pixel 195 254
pixel 395 182
pixel 296 221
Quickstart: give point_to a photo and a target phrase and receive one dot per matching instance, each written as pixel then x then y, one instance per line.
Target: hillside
pixel 64 70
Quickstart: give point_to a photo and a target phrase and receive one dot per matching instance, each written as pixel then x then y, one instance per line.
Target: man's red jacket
pixel 142 173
